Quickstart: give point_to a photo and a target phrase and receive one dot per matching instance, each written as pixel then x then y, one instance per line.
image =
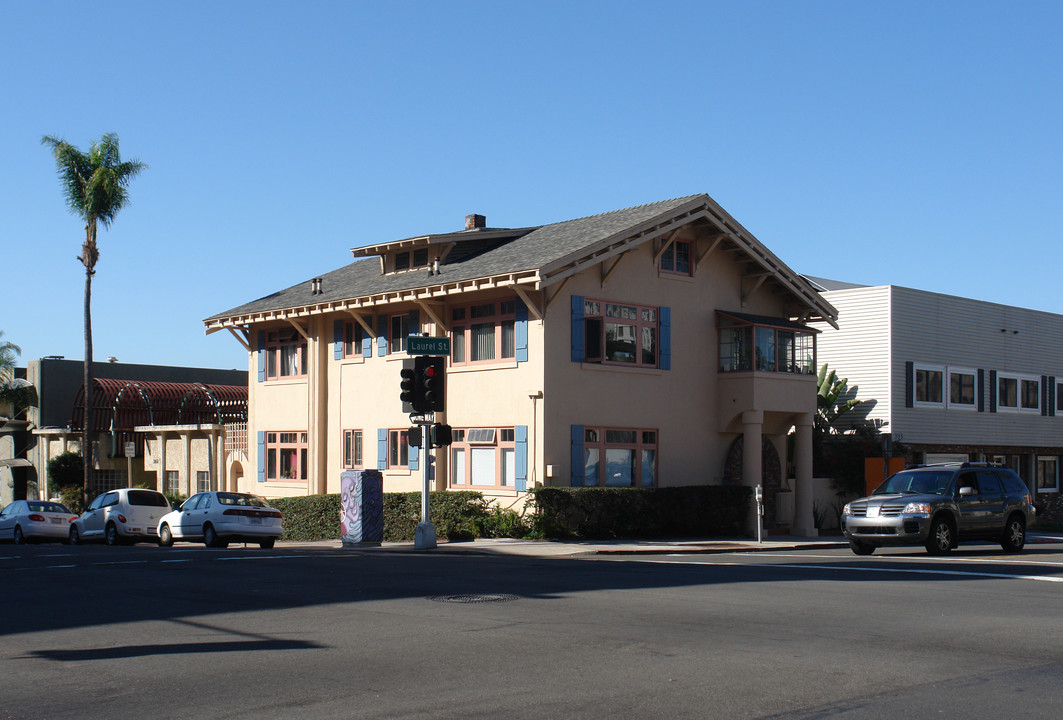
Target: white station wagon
pixel 217 518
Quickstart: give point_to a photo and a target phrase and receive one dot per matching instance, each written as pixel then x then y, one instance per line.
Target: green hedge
pixel 599 513
pixel 592 513
pixel 455 515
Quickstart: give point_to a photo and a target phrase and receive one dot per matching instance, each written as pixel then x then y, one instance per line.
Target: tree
pixel 94 184
pixel 8 352
pixel 831 402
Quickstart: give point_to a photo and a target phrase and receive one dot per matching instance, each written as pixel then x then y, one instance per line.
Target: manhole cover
pixel 472 598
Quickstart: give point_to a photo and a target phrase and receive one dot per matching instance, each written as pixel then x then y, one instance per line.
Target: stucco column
pixel 804 524
pixel 186 441
pixel 752 460
pixel 217 437
pixel 162 462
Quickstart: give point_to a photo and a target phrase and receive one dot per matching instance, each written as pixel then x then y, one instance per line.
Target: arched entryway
pixel 771 474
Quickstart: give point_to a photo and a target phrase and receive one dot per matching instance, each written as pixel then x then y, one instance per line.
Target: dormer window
pixel 411 259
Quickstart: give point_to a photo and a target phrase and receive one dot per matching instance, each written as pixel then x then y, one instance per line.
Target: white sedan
pixel 25 520
pixel 217 518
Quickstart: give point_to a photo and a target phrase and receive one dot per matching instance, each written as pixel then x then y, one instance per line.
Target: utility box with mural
pixel 361 507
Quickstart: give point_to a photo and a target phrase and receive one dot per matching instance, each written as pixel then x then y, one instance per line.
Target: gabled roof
pixel 528 258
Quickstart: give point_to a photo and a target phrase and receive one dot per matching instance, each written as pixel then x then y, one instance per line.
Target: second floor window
pixel 285 354
pixel 483 333
pixel 764 345
pixel 352 448
pixel 620 333
pixel 676 258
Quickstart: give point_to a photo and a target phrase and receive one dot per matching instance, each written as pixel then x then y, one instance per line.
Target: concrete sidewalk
pixel 573 548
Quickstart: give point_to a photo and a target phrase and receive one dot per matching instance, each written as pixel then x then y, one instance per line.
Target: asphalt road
pixel 137 632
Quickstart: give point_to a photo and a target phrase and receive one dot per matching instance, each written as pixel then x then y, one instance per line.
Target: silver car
pixel 939 505
pixel 218 518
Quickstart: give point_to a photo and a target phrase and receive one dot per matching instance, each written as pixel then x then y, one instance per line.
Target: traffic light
pixel 432 376
pixel 411 393
pixel 439 435
pixel 413 436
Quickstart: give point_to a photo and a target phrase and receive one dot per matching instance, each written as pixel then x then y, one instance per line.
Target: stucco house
pixel 953 378
pixel 645 347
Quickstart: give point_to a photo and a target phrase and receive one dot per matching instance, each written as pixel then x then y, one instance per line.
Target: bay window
pixel 764 344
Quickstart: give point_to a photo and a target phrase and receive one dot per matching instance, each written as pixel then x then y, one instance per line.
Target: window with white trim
pixel 173 481
pixel 929 385
pixel 1018 393
pixel 202 481
pixel 483 457
pixel 963 388
pixel 619 457
pixel 483 332
pixel 1047 473
pixel 286 455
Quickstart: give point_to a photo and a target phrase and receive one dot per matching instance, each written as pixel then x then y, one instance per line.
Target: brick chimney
pixel 474 221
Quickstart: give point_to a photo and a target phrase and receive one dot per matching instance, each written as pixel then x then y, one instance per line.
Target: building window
pixel 963 388
pixel 202 481
pixel 483 457
pixel 1018 393
pixel 676 258
pixel 285 354
pixel 400 332
pixel 406 260
pixel 748 343
pixel 104 480
pixel 398 449
pixel 619 457
pixel 173 482
pixel 1047 473
pixel 354 336
pixel 928 385
pixel 352 448
pixel 483 333
pixel 286 456
pixel 620 334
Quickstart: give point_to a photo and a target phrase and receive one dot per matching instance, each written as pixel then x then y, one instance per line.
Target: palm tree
pixel 8 352
pixel 95 187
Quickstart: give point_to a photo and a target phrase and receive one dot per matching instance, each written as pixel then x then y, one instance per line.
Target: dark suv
pixel 938 505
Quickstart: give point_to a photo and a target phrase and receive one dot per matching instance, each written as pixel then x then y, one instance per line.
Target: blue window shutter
pixel 414 319
pixel 414 462
pixel 261 356
pixel 367 342
pixel 337 339
pixel 664 361
pixel 577 329
pixel 382 335
pixel 577 456
pixel 520 331
pixel 382 449
pixel 261 456
pixel 520 448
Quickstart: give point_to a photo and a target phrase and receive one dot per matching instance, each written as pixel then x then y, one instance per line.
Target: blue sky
pixel 906 143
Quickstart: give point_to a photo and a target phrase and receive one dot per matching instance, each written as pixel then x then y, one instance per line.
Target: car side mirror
pixel 968 490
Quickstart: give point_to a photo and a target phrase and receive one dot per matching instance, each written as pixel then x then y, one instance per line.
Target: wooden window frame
pixel 278 342
pixel 669 260
pixel 598 438
pixel 597 318
pixel 503 317
pixel 500 439
pixel 278 442
pixel 353 449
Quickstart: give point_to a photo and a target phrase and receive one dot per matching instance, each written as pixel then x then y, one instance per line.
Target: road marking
pixel 864 568
pixel 909 558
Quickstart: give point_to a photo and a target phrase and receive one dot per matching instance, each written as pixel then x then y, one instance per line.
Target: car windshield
pixel 148 497
pixel 48 507
pixel 929 482
pixel 240 499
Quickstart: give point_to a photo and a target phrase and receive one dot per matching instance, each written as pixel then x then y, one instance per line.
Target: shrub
pixel 593 513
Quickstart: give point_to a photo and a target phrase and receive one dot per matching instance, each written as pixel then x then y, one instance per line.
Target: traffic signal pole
pixel 424 537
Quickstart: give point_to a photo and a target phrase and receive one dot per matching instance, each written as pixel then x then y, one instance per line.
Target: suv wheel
pixel 861 548
pixel 941 537
pixel 1014 537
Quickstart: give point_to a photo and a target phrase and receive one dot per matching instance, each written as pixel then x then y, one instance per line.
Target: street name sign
pixel 420 345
